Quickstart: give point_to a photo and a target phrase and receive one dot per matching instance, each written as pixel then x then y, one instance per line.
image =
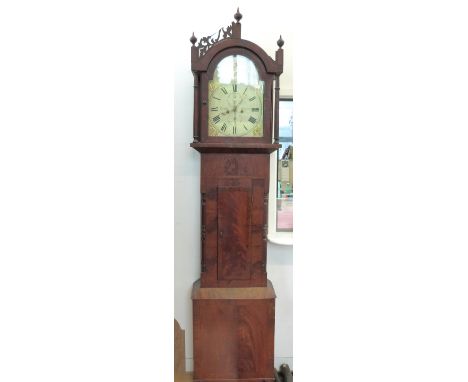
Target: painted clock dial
pixel 235 99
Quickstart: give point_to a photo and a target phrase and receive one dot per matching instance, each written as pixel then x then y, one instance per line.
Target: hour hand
pixel 226 111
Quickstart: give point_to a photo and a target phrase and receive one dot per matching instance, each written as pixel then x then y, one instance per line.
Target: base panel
pixel 236 380
pixel 233 334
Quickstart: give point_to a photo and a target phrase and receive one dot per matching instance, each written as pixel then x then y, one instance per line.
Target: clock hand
pixel 235 120
pixel 242 100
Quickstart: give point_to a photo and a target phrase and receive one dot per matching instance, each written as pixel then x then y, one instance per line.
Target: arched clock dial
pixel 235 99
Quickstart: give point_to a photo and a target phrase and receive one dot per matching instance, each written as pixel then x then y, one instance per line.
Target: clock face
pixel 235 106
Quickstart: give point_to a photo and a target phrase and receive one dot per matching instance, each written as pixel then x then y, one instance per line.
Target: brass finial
pixel 238 15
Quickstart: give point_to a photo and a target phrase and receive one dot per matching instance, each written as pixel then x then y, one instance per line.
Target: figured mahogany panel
pixel 233 233
pixel 233 336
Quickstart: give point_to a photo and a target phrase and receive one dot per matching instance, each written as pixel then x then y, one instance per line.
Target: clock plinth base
pixel 233 334
pixel 236 380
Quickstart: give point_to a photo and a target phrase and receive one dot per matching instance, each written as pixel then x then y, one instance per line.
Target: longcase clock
pixel 235 128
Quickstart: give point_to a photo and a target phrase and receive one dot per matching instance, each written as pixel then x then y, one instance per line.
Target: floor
pixel 187 377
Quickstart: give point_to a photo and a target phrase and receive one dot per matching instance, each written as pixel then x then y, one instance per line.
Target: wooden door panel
pixel 233 233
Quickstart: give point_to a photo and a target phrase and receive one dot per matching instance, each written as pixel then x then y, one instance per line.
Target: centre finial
pixel 238 15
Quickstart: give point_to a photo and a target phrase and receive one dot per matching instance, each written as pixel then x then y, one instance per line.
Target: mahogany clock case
pixel 234 302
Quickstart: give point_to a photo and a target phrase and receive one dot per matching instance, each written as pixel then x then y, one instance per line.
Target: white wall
pixel 187 165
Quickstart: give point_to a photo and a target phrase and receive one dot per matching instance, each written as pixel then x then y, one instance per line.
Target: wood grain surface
pixel 233 333
pixel 234 205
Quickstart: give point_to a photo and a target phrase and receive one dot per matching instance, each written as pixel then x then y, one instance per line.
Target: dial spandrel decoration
pixel 235 99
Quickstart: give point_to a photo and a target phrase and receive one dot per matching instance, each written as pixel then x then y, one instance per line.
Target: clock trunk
pixel 234 189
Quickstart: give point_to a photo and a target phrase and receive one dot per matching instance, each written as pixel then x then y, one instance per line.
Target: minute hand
pixel 237 105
